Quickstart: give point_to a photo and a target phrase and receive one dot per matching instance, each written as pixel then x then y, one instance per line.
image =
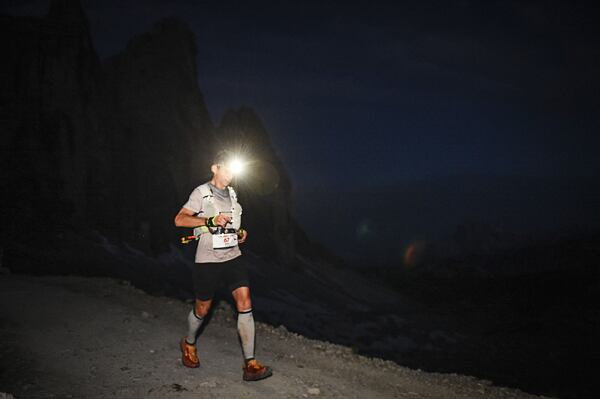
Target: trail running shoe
pixel 189 357
pixel 254 371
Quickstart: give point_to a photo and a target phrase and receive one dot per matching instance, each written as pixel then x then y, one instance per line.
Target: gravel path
pixel 75 337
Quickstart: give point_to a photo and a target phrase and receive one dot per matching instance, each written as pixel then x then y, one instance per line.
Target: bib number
pixel 224 241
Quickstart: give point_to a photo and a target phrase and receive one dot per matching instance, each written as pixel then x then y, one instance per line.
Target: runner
pixel 214 213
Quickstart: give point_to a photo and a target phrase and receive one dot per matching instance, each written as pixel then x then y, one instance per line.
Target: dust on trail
pixel 76 337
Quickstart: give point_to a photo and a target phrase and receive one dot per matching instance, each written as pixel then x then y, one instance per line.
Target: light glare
pixel 236 166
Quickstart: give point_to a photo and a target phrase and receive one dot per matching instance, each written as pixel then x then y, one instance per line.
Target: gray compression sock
pixel 245 326
pixel 194 323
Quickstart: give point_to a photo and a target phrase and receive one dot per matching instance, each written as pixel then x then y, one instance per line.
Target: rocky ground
pixel 76 337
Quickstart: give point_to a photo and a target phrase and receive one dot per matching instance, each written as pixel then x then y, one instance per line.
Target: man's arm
pixel 186 218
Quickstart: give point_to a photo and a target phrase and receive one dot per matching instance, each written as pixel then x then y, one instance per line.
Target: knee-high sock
pixel 194 323
pixel 245 324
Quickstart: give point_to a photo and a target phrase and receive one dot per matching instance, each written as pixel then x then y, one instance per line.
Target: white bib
pixel 225 240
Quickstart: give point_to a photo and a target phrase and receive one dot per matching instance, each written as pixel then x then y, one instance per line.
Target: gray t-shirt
pixel 221 201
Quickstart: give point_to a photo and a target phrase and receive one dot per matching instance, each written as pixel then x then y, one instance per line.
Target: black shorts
pixel 208 277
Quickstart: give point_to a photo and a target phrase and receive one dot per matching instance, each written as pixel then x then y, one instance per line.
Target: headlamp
pixel 236 166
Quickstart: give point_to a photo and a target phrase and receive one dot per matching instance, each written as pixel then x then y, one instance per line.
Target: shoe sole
pixel 267 374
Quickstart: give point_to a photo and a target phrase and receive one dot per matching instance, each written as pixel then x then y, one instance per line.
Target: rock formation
pixel 157 129
pixel 48 80
pixel 116 146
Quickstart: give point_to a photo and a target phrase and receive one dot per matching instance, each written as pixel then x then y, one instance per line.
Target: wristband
pixel 210 222
pixel 240 232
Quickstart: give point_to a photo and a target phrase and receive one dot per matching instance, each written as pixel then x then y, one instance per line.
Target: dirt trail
pixel 75 337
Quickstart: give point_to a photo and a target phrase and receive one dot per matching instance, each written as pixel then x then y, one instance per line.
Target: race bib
pixel 223 241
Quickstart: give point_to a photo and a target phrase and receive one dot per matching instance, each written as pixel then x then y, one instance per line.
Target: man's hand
pixel 242 235
pixel 222 220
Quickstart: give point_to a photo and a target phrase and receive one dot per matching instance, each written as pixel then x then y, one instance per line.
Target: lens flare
pixel 236 166
pixel 414 254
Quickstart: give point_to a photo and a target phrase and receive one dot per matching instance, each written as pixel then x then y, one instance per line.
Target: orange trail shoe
pixel 189 357
pixel 254 371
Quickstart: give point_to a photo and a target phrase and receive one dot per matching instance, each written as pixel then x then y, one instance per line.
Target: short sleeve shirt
pixel 221 201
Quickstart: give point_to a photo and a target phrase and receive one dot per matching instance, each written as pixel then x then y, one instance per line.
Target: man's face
pixel 223 174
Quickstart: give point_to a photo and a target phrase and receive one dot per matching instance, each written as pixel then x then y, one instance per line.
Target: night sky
pixel 389 92
pixel 368 93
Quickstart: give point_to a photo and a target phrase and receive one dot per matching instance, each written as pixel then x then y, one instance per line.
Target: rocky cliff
pixel 48 79
pixel 157 129
pixel 116 146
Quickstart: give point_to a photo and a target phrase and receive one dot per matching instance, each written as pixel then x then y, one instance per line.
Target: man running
pixel 213 211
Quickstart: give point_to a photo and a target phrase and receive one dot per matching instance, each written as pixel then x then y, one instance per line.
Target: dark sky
pixel 358 95
pixel 394 92
pixel 389 92
pixel 361 94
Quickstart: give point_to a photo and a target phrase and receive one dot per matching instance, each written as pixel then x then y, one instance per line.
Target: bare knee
pixel 202 307
pixel 242 299
pixel 243 305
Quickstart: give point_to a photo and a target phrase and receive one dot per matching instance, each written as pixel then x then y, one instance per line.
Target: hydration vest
pixel 209 208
